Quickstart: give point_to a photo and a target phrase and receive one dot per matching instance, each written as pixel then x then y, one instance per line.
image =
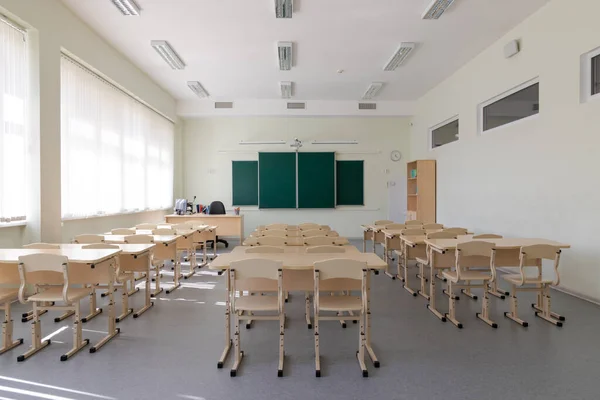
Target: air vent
pixel 223 104
pixel 367 106
pixel 296 106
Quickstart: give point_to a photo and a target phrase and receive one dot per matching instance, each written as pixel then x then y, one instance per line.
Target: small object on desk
pixel 236 211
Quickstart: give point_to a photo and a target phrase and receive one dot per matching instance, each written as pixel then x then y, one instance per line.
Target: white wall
pixel 538 178
pixel 53 27
pixel 210 144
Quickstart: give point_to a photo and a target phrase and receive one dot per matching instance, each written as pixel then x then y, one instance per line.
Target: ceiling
pixel 230 46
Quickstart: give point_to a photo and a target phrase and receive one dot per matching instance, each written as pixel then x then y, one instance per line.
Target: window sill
pixel 113 215
pixel 13 224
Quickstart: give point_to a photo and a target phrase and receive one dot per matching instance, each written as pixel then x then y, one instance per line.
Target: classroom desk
pixel 296 241
pixel 227 224
pixel 86 267
pixel 300 280
pixel 441 254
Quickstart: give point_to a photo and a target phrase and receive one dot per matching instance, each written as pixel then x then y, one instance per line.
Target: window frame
pixel 441 124
pixel 515 89
pixel 587 76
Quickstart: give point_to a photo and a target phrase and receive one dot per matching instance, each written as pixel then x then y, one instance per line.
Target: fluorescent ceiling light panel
pixel 284 8
pixel 286 90
pixel 335 142
pixel 372 91
pixel 264 142
pixel 436 9
pixel 198 89
pixel 284 53
pixel 164 49
pixel 127 7
pixel 400 56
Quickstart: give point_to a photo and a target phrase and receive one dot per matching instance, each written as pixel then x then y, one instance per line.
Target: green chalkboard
pixel 350 183
pixel 277 180
pixel 316 180
pixel 244 181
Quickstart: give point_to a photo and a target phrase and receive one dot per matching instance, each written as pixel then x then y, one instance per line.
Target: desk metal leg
pixel 432 296
pixel 496 292
pixel 112 328
pixel 94 311
pixel 422 291
pixel 176 274
pixel 215 246
pixel 147 293
pixel 227 323
pixel 368 325
pixel 408 289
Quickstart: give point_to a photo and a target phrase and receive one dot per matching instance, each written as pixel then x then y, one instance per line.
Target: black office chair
pixel 217 208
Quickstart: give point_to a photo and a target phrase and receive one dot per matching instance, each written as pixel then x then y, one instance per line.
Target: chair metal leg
pixel 236 341
pixel 36 337
pixel 485 310
pixel 307 310
pixel 361 348
pixel 513 314
pixel 281 348
pixel 94 311
pixel 546 314
pixel 317 350
pixel 125 310
pixel 7 331
pixel 467 292
pixel 451 315
pixel 78 342
pixel 497 292
pixel 64 316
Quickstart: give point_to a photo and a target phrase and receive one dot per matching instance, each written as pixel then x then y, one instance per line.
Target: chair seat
pixel 467 275
pixel 423 261
pixel 340 303
pixel 515 279
pixel 56 294
pixel 8 294
pixel 256 303
pixel 125 276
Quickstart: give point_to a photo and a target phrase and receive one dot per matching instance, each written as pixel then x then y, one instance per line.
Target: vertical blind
pixel 117 153
pixel 13 118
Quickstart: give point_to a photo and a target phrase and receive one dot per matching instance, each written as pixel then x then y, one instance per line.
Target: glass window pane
pixel 519 105
pixel 596 75
pixel 444 134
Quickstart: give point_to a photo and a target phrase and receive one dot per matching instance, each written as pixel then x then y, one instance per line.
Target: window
pixel 514 105
pixel 596 74
pixel 13 118
pixel 117 153
pixel 444 133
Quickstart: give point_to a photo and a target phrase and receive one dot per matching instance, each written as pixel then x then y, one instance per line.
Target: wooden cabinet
pixel 421 196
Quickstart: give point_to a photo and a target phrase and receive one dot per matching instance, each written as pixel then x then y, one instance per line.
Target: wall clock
pixel 395 155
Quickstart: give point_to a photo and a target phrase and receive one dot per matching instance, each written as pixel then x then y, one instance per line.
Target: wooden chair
pixel 271 241
pixel 7 297
pixel 42 246
pixel 250 275
pixel 493 290
pixel 88 239
pixel 458 231
pixel 469 254
pixel 123 231
pixel 276 227
pixel 346 272
pixel 264 250
pixel 407 254
pixel 164 231
pixel 313 232
pixel 186 248
pixel 423 261
pixel 309 226
pixel 146 226
pixel 319 241
pixel 383 222
pixel 326 249
pixel 413 222
pixel 537 283
pixel 156 264
pixel 433 226
pixel 274 232
pixel 388 247
pixel 121 279
pixel 38 269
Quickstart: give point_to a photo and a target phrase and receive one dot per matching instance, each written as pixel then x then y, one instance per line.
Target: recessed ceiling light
pixel 286 90
pixel 164 49
pixel 198 89
pixel 436 9
pixel 372 91
pixel 399 56
pixel 127 7
pixel 284 53
pixel 284 8
pixel 340 71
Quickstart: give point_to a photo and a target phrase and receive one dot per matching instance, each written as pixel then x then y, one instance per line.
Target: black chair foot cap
pixel 365 374
pixel 20 341
pixel 20 358
pixel 561 318
pixel 415 294
pixel 525 324
pixel 248 326
pixel 559 324
pixel 443 319
pixel 344 325
pixel 318 373
pixel 376 364
pixel 219 365
pixel 474 297
pixel 393 278
pixel 232 373
pixel 117 320
pixel 502 297
pixel 64 357
pixel 286 300
pixel 56 319
pixel 494 325
pixel 84 320
pixel 309 326
pixel 24 315
pixel 92 350
pixel 135 315
pixel 23 319
pixel 459 326
pixel 279 373
pixel 49 342
pixel 185 277
pixel 354 321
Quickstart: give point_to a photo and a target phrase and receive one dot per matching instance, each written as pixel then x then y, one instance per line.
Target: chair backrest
pixel 256 268
pixel 543 252
pixel 433 226
pixel 41 246
pixel 326 249
pixel 123 231
pixel 96 246
pixel 333 234
pixel 276 226
pixel 479 251
pixel 164 231
pixel 308 226
pixel 325 228
pixel 30 265
pixel 146 226
pixel 193 224
pixel 138 239
pixel 340 268
pixel 182 227
pixel 264 249
pixel 216 208
pixel 274 232
pixel 441 235
pixel 88 239
pixel 487 236
pixel 319 241
pixel 458 231
pixel 413 222
pixel 271 241
pixel 413 232
pixel 313 232
pixel 383 222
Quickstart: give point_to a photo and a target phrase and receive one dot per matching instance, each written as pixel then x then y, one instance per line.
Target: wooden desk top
pixel 391 233
pixel 413 241
pixel 506 243
pixel 166 239
pixel 88 256
pixel 200 216
pixel 297 261
pixel 126 248
pixel 296 241
pixel 293 249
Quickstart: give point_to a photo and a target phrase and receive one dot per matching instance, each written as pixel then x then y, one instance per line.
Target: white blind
pixel 13 119
pixel 117 153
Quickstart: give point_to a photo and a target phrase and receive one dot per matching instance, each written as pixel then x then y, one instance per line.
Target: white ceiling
pixel 230 45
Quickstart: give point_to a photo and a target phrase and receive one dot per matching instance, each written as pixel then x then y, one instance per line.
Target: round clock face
pixel 395 155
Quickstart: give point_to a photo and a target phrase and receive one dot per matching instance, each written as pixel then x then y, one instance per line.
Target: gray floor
pixel 171 351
